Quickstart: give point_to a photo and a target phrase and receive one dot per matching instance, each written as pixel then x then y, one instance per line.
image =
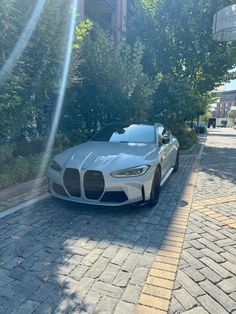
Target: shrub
pixel 187 138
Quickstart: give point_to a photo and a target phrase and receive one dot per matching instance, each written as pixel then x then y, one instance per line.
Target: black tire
pixel 156 186
pixel 176 166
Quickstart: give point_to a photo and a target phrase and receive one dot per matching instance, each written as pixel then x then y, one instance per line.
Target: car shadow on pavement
pixel 58 256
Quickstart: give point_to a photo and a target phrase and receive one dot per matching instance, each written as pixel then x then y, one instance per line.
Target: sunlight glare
pixel 22 43
pixel 63 83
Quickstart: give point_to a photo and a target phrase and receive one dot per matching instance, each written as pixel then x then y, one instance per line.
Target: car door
pixel 165 149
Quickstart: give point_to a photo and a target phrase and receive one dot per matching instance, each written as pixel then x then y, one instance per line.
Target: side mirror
pixel 165 140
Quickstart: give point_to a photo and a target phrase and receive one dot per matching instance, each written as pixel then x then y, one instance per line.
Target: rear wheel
pixel 176 166
pixel 156 185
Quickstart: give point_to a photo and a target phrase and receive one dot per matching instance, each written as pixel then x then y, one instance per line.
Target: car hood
pixel 106 155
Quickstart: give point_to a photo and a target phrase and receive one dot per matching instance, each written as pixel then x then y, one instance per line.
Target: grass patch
pixel 187 138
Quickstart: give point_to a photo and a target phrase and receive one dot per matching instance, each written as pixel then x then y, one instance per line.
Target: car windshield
pixel 133 133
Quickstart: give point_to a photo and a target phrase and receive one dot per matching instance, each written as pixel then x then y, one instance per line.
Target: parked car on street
pixel 123 163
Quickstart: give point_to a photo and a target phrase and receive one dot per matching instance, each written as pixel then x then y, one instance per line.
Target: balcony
pixel 101 12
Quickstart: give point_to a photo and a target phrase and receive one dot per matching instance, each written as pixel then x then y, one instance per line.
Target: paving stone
pixel 185 299
pixel 67 305
pixel 131 294
pixel 214 256
pixel 216 267
pixel 107 289
pixel 197 244
pixel 78 272
pixel 92 257
pixel 146 259
pixel 196 310
pixel 158 303
pixel 139 276
pixel 27 307
pixel 175 307
pixel 124 307
pixel 121 256
pixel 216 235
pixel 225 242
pixel 91 301
pixel 130 262
pixel 194 274
pixel 229 266
pixel 218 295
pixel 231 249
pixel 109 273
pixel 110 251
pixel 228 257
pixel 191 260
pixel 228 285
pixel 211 305
pixel 213 247
pixel 233 296
pixel 5 279
pixel 211 275
pixel 194 289
pixel 122 279
pixel 43 292
pixel 98 267
pixel 106 305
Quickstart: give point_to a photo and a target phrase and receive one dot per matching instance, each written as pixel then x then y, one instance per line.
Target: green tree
pixel 113 86
pixel 179 51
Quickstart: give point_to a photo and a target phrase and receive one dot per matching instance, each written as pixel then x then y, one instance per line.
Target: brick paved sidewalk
pixel 59 257
pixel 206 277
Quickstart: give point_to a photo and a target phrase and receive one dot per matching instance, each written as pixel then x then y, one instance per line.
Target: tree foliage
pixel 163 72
pixel 180 52
pixel 113 85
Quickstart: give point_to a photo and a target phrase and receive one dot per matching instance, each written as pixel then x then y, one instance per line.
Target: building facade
pixel 109 14
pixel 227 100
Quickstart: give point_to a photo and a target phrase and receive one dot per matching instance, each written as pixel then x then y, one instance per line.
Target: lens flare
pixel 22 42
pixel 63 82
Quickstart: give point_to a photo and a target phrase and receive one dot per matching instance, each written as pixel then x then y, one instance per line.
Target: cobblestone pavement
pixel 60 257
pixel 206 277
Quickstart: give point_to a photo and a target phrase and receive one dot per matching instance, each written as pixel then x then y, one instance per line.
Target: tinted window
pixel 134 133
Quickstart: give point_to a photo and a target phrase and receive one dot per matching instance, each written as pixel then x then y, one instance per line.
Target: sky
pixel 231 85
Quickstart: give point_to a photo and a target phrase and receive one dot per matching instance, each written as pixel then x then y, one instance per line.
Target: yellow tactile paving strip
pixel 156 294
pixel 201 206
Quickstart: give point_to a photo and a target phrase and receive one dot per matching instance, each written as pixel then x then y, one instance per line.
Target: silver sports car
pixel 121 164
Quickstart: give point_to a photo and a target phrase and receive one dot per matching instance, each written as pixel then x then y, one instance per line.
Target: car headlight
pixel 55 166
pixel 131 172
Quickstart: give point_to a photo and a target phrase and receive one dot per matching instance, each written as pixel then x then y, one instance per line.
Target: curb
pixel 22 192
pixel 188 151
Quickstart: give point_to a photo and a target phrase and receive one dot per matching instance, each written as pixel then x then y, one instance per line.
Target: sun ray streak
pixel 63 83
pixel 22 43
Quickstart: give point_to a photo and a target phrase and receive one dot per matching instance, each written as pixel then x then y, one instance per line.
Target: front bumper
pixel 116 191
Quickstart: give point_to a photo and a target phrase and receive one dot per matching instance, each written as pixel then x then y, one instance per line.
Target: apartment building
pixel 227 100
pixel 109 14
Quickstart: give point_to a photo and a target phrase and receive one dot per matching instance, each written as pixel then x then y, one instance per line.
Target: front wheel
pixel 156 186
pixel 176 166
